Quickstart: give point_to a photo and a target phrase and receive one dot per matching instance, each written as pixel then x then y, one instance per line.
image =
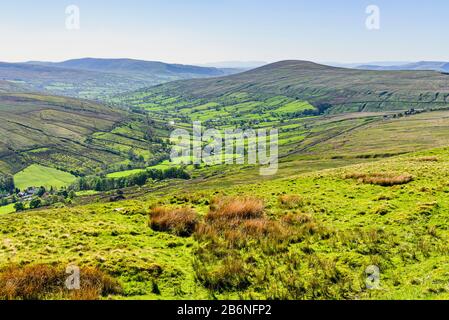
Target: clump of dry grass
pixel 236 226
pixel 239 220
pixel 297 218
pixel 236 208
pixel 381 179
pixel 291 201
pixel 37 282
pixel 427 159
pixel 238 232
pixel 181 221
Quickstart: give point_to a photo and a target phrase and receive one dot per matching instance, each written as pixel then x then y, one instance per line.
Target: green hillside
pixel 76 136
pixel 99 78
pixel 269 90
pixel 313 236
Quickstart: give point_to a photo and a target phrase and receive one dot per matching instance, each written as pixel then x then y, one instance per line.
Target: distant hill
pixel 99 78
pixel 236 64
pixel 327 88
pixel 138 67
pixel 422 65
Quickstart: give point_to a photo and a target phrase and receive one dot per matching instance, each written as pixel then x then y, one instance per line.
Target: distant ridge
pixel 126 66
pixel 236 64
pixel 338 89
pixel 99 78
pixel 422 65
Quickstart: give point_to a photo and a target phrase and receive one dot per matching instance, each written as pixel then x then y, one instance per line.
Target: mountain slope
pixel 69 82
pixel 139 67
pixel 325 88
pixel 319 232
pixel 73 135
pixel 99 78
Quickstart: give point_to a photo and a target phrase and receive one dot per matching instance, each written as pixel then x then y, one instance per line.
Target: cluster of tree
pixel 6 183
pixel 34 204
pixel 139 179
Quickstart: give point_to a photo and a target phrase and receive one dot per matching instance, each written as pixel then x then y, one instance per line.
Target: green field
pixel 86 193
pixel 125 173
pixel 37 176
pixel 7 209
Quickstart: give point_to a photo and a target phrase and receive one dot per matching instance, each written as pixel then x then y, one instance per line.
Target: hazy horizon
pixel 239 64
pixel 201 32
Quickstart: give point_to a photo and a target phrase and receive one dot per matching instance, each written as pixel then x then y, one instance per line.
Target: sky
pixel 204 31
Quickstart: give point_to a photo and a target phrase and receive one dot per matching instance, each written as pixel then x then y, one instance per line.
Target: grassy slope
pixel 336 141
pixel 343 89
pixel 98 78
pixel 69 134
pixel 402 229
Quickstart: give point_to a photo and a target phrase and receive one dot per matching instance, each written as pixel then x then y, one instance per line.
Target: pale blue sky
pixel 201 31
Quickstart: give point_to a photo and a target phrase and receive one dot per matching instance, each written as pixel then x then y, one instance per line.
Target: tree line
pixel 139 179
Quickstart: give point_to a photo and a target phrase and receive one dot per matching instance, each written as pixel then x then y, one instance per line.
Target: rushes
pixel 381 179
pixel 235 208
pixel 427 159
pixel 181 222
pixel 291 201
pixel 238 221
pixel 35 282
pixel 240 241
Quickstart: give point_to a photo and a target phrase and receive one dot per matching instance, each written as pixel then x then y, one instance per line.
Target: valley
pixel 99 78
pixel 362 182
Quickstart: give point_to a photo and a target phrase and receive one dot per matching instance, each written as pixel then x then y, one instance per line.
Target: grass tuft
pixel 40 281
pixel 181 222
pixel 427 159
pixel 291 201
pixel 381 179
pixel 236 208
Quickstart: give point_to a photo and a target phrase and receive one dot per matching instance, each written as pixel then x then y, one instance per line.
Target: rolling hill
pixel 136 68
pixel 98 78
pixel 73 135
pixel 329 89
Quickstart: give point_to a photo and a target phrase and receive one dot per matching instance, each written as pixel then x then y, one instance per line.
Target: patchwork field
pixel 328 88
pixel 98 78
pixel 76 136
